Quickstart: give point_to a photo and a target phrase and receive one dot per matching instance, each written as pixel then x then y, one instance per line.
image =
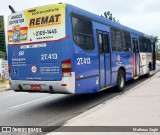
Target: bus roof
pixel 97 18
pixel 103 20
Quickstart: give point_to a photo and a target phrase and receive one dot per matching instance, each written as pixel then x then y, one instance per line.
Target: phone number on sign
pixel 44 32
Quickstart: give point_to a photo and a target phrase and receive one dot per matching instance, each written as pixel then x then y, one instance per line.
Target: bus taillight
pixel 9 69
pixel 66 68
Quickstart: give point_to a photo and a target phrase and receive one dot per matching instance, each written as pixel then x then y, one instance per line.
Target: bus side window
pixel 100 40
pixel 106 43
pixel 135 46
pixel 148 43
pixel 126 38
pixel 83 33
pixel 116 39
pixel 142 44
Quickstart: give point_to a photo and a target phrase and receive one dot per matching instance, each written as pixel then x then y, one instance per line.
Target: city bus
pixel 64 49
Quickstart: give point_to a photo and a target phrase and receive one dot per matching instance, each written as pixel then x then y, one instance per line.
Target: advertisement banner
pixel 40 24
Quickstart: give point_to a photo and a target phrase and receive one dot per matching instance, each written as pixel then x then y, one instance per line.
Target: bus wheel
pixel 121 81
pixel 149 71
pixel 17 91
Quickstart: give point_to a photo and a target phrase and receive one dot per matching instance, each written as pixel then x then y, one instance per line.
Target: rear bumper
pixel 46 86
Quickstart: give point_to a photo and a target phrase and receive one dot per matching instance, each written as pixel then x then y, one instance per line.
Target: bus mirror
pixel 12 9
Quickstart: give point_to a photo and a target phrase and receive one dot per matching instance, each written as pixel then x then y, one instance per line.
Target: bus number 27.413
pixel 52 56
pixel 83 61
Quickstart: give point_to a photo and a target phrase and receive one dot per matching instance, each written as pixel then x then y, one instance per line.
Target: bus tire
pixel 16 90
pixel 149 71
pixel 121 80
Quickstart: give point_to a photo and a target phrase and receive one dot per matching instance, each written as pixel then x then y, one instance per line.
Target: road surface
pixel 36 109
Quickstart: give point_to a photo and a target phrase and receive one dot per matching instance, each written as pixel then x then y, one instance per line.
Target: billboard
pixel 40 24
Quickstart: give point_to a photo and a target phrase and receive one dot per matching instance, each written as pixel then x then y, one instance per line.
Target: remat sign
pixel 37 25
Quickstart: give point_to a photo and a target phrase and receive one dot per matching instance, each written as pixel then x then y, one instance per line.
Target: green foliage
pixel 158 56
pixel 155 39
pixel 157 47
pixel 157 44
pixel 2 39
pixel 109 16
pixel 2 55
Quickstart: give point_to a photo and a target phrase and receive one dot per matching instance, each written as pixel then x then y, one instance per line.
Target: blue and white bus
pixel 64 49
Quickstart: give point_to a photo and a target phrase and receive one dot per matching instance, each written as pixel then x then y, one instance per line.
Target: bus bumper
pixel 65 86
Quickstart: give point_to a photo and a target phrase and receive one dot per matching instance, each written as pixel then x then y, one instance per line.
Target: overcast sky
pixel 142 15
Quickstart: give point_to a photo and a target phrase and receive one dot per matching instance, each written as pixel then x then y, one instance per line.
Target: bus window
pixel 148 45
pixel 126 41
pixel 116 40
pixel 142 42
pixel 103 43
pixel 106 43
pixel 100 37
pixel 83 33
pixel 135 46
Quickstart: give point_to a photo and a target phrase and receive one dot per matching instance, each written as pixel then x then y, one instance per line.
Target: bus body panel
pixel 47 61
pixel 87 85
pixel 145 60
pixel 86 70
pixel 119 60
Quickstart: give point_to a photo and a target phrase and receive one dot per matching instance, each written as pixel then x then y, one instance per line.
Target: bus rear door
pixel 103 44
pixel 135 58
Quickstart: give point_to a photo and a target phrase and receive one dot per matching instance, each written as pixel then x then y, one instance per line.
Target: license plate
pixel 36 87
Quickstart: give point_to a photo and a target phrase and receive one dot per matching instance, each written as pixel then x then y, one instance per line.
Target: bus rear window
pixel 83 33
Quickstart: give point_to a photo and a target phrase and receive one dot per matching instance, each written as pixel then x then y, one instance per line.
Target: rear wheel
pixel 149 71
pixel 121 81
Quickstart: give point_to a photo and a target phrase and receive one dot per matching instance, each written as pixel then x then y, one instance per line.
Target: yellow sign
pixel 45 21
pixel 37 25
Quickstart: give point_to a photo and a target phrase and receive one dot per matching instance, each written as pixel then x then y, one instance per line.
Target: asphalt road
pixel 33 109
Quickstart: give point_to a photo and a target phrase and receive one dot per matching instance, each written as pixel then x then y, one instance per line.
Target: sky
pixel 142 15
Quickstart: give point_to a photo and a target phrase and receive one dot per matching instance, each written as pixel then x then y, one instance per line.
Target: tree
pixel 109 16
pixel 2 55
pixel 157 44
pixel 2 38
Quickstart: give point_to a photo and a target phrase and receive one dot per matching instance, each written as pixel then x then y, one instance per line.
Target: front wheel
pixel 121 81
